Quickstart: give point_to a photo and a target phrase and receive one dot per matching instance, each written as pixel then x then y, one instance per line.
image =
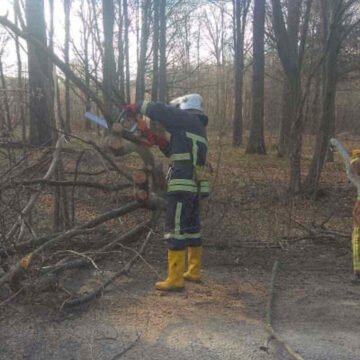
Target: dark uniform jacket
pixel 187 148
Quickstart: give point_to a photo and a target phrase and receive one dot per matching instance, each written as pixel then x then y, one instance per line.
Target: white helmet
pixel 186 102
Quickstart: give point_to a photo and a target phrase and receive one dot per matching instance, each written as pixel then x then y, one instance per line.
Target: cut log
pixel 140 177
pixel 141 196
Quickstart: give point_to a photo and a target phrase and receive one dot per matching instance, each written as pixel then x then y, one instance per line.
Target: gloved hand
pixel 152 138
pixel 131 109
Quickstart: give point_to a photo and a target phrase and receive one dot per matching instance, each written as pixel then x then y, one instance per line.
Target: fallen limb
pixel 269 326
pixel 89 184
pixel 98 253
pixel 26 245
pixel 34 197
pixel 99 290
pixel 25 262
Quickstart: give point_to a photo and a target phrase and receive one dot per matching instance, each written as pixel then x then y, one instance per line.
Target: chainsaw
pixel 126 125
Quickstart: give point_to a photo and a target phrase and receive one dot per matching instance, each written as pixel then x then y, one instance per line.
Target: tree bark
pixel 256 140
pixel 40 77
pixel 140 78
pixel 327 121
pixel 121 74
pixel 162 51
pixel 239 64
pixel 126 45
pixel 155 77
pixel 109 68
pixel 67 6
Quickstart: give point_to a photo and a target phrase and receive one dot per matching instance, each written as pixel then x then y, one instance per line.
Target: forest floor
pixel 249 223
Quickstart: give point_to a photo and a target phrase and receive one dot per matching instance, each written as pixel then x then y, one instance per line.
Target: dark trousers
pixel 182 223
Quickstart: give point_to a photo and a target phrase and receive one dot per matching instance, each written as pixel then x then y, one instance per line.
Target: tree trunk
pixel 327 121
pixel 162 45
pixel 256 141
pixel 293 19
pixel 109 68
pixel 239 64
pixel 6 99
pixel 285 124
pixel 140 78
pixel 40 76
pixel 121 75
pixel 67 6
pixel 19 77
pixel 155 77
pixel 126 45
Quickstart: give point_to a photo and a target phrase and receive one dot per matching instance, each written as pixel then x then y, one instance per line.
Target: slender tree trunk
pixel 155 78
pixel 256 141
pixel 19 77
pixel 238 44
pixel 6 99
pixel 293 19
pixel 121 74
pixel 140 78
pixel 162 45
pixel 109 69
pixel 67 6
pixel 40 76
pixel 126 45
pixel 327 122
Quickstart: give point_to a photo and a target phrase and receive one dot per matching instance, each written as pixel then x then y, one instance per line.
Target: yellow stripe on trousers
pixel 355 248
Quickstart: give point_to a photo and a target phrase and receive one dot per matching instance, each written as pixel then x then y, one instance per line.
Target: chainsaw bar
pixel 129 135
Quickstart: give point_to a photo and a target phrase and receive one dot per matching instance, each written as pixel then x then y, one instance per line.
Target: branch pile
pixel 64 208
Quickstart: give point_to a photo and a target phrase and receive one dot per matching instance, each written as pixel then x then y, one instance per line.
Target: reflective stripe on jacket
pixel 187 148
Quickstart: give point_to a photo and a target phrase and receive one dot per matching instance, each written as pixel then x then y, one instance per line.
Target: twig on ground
pixel 99 289
pixel 269 326
pixel 129 347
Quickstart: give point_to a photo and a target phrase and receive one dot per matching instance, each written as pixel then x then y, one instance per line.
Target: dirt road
pixel 316 311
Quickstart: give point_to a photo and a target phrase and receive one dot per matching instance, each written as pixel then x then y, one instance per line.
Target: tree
pixel 127 57
pixel 162 52
pixel 240 10
pixel 140 76
pixel 121 74
pixel 291 56
pixel 40 76
pixel 336 27
pixel 155 76
pixel 67 8
pixel 256 141
pixel 109 68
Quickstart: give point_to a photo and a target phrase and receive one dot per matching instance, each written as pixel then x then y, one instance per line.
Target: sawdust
pixel 156 311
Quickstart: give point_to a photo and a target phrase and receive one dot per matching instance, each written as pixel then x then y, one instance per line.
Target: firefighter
pixel 355 164
pixel 186 122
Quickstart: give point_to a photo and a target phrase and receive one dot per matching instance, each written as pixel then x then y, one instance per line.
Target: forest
pixel 82 206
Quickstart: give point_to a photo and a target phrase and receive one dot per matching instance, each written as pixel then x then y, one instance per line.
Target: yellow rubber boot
pixel 194 264
pixel 175 280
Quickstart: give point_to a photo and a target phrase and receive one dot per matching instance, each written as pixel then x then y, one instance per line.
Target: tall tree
pixel 67 7
pixel 256 140
pixel 126 50
pixel 140 76
pixel 162 52
pixel 240 11
pixel 121 74
pixel 155 77
pixel 19 73
pixel 109 68
pixel 336 27
pixel 291 56
pixel 293 8
pixel 40 76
